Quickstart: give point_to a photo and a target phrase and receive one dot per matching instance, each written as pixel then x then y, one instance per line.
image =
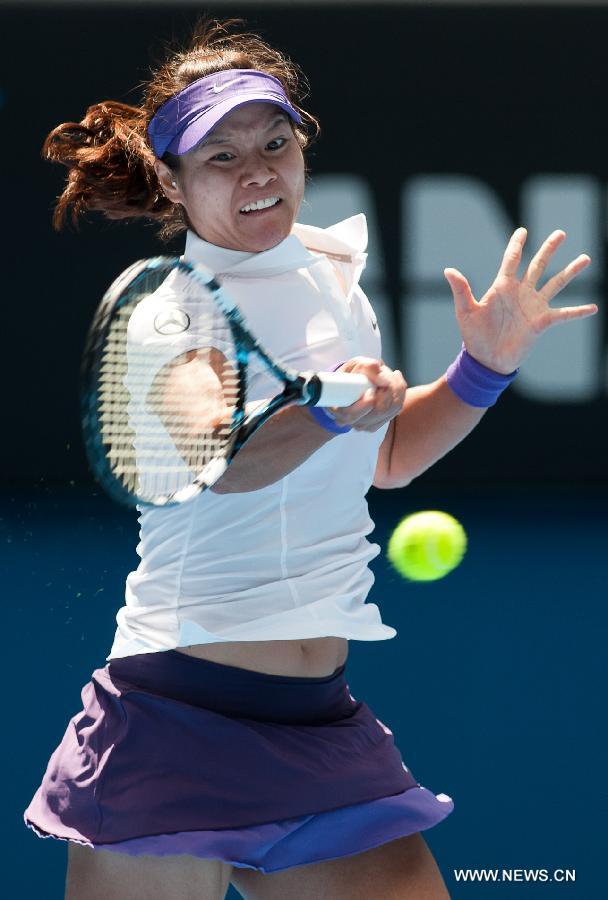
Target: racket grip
pixel 340 388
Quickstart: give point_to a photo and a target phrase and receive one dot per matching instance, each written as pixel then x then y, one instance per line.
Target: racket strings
pixel 161 428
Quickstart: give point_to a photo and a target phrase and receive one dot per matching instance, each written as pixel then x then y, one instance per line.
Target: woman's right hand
pixel 380 403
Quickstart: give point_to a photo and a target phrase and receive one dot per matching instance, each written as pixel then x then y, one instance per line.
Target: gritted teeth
pixel 260 204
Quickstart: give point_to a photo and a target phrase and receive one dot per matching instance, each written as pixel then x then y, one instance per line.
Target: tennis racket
pixel 173 384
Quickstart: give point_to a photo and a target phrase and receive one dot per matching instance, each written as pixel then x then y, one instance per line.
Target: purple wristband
pixel 325 418
pixel 474 383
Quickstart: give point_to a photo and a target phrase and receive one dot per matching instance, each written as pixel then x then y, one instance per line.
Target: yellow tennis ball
pixel 427 545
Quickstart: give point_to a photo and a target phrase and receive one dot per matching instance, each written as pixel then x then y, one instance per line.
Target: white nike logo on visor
pixel 218 88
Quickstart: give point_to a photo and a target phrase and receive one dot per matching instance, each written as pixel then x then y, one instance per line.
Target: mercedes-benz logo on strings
pixel 171 321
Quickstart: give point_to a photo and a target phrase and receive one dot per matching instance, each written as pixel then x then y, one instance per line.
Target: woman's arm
pixel 190 400
pixel 287 439
pixel 433 420
pixel 282 444
pixel 497 332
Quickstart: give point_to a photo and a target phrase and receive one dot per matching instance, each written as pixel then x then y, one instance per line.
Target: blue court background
pixel 494 686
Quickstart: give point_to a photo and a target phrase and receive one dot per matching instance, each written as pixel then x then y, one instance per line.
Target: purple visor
pixel 184 120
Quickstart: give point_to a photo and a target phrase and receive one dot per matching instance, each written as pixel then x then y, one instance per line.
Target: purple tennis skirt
pixel 172 754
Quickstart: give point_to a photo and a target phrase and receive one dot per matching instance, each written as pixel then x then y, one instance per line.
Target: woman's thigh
pixel 104 874
pixel 403 869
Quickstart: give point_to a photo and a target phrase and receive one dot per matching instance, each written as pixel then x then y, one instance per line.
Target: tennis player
pixel 220 744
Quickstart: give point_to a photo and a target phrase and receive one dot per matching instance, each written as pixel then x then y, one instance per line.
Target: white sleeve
pixel 169 323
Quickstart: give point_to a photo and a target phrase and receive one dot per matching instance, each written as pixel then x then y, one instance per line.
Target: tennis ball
pixel 427 545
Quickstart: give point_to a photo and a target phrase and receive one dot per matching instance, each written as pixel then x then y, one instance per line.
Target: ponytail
pixel 111 165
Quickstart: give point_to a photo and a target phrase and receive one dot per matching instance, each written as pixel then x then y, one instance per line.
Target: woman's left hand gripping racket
pixel 168 375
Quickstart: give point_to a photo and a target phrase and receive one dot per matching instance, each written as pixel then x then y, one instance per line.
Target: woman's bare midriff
pixel 309 657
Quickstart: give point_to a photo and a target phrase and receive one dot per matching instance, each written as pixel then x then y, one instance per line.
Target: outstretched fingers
pixel 512 256
pixel 566 313
pixel 461 291
pixel 542 258
pixel 559 281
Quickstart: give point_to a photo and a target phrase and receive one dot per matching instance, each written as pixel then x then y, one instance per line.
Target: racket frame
pixel 300 389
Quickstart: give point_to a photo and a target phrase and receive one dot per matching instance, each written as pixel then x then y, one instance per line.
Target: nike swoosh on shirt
pixel 218 88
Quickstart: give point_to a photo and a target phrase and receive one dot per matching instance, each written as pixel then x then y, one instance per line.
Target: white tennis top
pixel 290 560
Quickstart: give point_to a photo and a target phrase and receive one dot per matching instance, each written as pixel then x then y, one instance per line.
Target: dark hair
pixel 108 154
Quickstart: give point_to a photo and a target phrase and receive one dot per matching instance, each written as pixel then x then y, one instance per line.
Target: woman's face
pixel 251 156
